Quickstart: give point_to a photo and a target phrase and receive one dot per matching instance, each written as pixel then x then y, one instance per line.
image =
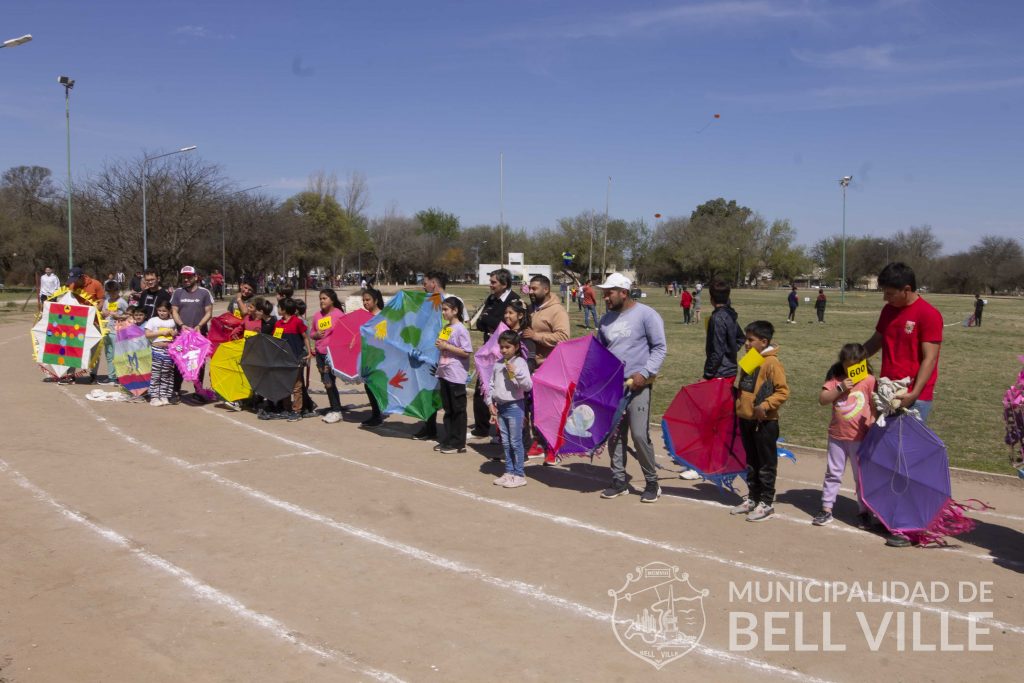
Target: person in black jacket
pixel 979 308
pixel 490 317
pixel 724 338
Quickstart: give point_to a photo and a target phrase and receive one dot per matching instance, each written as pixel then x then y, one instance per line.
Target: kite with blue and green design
pixel 399 357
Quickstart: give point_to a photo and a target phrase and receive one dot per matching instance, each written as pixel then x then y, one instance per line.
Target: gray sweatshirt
pixel 636 337
pixel 504 388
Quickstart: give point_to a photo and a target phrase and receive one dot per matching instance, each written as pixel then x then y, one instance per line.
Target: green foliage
pixel 438 223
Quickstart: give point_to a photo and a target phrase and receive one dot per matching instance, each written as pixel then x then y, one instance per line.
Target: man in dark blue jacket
pixel 724 337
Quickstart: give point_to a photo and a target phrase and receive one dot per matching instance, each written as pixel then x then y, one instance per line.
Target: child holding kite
pixel 452 374
pixel 848 387
pixel 292 330
pixel 761 394
pixel 509 382
pixel 324 322
pixel 161 330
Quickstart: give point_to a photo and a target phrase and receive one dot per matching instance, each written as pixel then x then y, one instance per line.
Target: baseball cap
pixel 188 270
pixel 616 280
pixel 74 274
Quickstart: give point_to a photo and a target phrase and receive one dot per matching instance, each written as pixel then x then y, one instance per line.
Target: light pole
pixel 737 267
pixel 15 42
pixel 501 207
pixel 844 182
pixel 223 249
pixel 145 226
pixel 68 84
pixel 604 252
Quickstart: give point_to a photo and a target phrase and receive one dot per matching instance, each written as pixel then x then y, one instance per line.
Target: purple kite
pixel 189 351
pixel 575 395
pixel 904 474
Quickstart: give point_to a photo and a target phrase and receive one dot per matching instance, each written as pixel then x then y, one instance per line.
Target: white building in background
pixel 516 265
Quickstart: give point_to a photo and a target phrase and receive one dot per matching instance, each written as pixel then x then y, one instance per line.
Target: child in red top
pixel 292 331
pixel 853 413
pixel 686 301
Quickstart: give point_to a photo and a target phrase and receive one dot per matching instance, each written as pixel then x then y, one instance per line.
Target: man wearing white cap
pixel 191 308
pixel 635 334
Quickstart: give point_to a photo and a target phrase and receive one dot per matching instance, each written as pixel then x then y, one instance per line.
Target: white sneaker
pixel 155 402
pixel 515 482
pixel 502 480
pixel 689 475
pixel 332 417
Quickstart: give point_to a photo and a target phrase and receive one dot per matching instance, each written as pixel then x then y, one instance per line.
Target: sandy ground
pixel 193 543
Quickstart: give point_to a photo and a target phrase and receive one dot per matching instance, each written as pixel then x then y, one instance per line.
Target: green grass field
pixel 976 365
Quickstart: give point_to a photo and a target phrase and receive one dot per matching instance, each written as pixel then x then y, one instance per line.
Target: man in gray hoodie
pixel 635 334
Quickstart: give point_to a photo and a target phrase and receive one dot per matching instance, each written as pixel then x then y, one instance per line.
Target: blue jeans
pixel 510 424
pixel 925 408
pixel 588 312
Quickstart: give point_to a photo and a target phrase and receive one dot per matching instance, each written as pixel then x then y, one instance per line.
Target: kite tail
pixel 951 521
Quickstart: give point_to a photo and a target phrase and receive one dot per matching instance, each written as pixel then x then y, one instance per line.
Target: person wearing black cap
pixel 79 283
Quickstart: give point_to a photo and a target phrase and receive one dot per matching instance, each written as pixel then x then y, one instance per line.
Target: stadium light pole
pixel 145 226
pixel 15 42
pixel 604 251
pixel 844 182
pixel 68 84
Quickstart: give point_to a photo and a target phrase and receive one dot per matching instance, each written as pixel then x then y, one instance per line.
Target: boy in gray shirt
pixel 635 334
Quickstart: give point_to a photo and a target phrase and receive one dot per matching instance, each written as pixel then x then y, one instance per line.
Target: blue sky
pixel 921 102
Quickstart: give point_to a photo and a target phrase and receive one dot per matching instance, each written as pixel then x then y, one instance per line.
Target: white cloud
pixel 860 57
pixel 198 31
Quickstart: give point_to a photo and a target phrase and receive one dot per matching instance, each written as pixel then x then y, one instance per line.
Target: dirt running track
pixel 192 543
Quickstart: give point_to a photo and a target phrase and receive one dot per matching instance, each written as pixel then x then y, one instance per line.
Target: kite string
pixel 901 464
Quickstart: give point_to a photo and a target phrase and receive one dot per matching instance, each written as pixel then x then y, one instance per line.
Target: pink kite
pixel 189 351
pixel 485 358
pixel 346 343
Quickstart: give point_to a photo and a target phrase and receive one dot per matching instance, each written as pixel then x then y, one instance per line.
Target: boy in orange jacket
pixel 761 394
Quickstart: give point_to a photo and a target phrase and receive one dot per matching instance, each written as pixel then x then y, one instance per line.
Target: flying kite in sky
pixel 707 125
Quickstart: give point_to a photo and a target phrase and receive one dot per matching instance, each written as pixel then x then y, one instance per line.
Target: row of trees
pixel 192 206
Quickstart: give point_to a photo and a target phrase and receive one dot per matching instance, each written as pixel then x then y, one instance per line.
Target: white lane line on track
pixel 240 461
pixel 586 526
pixel 199 589
pixel 989 513
pixel 520 587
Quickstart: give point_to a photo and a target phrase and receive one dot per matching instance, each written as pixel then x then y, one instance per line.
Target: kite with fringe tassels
pixel 1013 415
pixel 66 335
pixel 904 474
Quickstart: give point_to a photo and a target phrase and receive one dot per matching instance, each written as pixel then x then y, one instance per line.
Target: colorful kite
pixel 904 479
pixel 189 351
pixel 1013 416
pixel 133 359
pixel 485 358
pixel 66 336
pixel 575 395
pixel 226 375
pixel 345 344
pixel 701 432
pixel 399 358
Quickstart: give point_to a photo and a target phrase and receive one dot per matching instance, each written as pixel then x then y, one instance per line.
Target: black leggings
pixel 329 380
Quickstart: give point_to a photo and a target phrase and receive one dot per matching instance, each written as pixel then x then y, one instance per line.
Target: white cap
pixel 616 280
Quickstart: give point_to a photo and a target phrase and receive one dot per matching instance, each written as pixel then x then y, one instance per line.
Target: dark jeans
pixel 481 413
pixel 453 400
pixel 373 403
pixel 821 314
pixel 977 318
pixel 792 313
pixel 759 441
pixel 329 380
pixel 686 316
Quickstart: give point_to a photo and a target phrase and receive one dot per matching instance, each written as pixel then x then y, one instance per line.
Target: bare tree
pixel 356 194
pixel 323 184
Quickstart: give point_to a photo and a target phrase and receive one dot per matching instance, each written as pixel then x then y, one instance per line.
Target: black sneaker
pixel 294 416
pixel 310 413
pixel 651 494
pixel 822 518
pixel 424 435
pixel 897 541
pixel 615 490
pixel 452 449
pixel 372 422
pixel 865 521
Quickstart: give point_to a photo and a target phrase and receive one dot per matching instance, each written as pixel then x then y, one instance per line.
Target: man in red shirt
pixel 909 332
pixel 589 305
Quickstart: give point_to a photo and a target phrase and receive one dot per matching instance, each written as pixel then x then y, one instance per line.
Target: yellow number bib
pixel 278 332
pixel 751 361
pixel 249 333
pixel 323 324
pixel 112 307
pixel 857 372
pixel 446 333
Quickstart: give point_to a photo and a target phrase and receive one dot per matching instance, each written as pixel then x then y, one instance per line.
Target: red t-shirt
pixel 903 331
pixel 588 296
pixel 291 331
pixel 686 300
